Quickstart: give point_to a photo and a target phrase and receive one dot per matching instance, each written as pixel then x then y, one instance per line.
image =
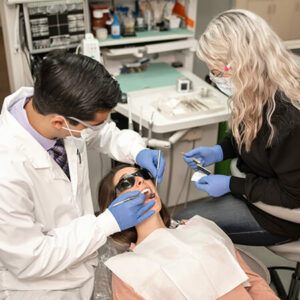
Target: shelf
pixel 148 36
pixel 292 44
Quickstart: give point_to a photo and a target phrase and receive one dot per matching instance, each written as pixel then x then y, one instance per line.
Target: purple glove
pixel 214 185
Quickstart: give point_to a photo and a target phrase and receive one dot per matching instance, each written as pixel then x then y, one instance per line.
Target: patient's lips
pixel 148 194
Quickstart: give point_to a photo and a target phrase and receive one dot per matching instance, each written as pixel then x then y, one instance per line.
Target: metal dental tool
pixel 130 123
pixel 150 124
pixel 121 202
pixel 140 123
pixel 199 165
pixel 157 168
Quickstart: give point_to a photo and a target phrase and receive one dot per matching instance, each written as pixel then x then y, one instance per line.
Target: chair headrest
pixel 289 251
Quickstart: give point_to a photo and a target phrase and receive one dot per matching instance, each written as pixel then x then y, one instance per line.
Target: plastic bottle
pixel 115 27
pixel 99 17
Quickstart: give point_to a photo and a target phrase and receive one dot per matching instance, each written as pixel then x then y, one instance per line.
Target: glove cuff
pixel 228 184
pixel 108 223
pixel 219 152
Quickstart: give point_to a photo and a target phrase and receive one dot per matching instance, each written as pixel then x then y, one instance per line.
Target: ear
pixel 57 121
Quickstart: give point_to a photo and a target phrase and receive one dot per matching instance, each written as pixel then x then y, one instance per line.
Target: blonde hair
pixel 260 66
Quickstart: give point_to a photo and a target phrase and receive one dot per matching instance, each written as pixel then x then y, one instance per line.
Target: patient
pixel 194 261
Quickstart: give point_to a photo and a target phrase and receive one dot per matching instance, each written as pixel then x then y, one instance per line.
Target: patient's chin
pixel 157 206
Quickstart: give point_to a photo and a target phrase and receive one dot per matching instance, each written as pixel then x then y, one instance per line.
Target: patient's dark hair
pixel 73 85
pixel 106 197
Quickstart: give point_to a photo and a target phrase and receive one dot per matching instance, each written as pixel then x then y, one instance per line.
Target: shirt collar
pixel 19 113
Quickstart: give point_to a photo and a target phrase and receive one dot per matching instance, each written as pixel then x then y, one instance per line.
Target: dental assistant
pixel 248 62
pixel 49 235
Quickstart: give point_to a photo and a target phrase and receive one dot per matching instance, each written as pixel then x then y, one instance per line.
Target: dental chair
pixel 290 251
pixel 103 284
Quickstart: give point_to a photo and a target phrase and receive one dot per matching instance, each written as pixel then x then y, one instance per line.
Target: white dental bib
pixel 194 261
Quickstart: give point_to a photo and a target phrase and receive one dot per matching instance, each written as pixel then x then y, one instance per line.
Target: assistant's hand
pixel 132 212
pixel 148 159
pixel 214 185
pixel 207 156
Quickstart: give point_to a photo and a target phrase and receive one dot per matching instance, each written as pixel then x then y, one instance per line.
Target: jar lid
pixel 98 13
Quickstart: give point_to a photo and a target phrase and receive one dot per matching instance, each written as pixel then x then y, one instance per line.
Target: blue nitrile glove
pixel 207 156
pixel 148 159
pixel 132 212
pixel 214 185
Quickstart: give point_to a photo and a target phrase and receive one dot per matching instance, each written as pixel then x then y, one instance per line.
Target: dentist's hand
pixel 148 159
pixel 214 185
pixel 207 156
pixel 132 212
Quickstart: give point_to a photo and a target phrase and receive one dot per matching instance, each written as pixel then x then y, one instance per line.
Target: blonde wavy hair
pixel 259 67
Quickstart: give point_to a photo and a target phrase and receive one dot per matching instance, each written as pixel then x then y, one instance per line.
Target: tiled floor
pixel 4 85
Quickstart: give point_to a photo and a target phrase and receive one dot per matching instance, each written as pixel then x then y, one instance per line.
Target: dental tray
pixel 182 106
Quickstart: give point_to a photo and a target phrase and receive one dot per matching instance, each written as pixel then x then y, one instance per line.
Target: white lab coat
pixel 49 235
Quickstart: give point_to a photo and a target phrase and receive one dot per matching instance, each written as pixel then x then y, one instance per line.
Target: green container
pixel 223 167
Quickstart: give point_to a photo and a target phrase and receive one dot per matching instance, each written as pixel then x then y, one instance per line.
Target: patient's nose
pixel 139 180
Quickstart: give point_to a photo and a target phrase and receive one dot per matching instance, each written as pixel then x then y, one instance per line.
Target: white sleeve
pixel 28 250
pixel 121 145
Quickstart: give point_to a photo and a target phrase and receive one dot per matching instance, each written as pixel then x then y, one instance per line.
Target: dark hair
pixel 74 85
pixel 106 197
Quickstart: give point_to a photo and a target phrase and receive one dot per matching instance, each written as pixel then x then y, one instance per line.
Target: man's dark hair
pixel 74 85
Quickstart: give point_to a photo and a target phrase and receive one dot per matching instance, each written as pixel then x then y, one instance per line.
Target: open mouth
pixel 148 194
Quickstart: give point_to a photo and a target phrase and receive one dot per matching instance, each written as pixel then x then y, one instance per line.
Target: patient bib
pixel 194 261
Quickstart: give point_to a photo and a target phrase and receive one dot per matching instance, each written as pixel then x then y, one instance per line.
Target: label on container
pixel 115 30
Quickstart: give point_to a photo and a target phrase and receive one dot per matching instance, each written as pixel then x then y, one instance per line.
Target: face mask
pixel 223 83
pixel 84 133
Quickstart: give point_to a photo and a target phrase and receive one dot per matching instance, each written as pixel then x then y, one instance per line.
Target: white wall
pixel 206 10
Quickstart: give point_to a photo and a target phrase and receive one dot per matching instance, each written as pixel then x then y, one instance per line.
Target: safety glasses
pixel 93 127
pixel 218 74
pixel 128 181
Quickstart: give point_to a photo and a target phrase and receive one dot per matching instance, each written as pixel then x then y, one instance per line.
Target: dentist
pixel 49 235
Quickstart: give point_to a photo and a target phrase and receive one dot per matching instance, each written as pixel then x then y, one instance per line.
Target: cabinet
pixel 295 21
pixel 282 16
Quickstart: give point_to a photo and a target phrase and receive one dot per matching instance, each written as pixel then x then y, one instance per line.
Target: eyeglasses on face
pixel 218 73
pixel 93 127
pixel 128 181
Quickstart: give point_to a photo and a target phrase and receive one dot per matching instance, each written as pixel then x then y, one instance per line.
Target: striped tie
pixel 59 154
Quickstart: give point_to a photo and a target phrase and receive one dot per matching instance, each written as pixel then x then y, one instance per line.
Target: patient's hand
pixel 183 221
pixel 132 246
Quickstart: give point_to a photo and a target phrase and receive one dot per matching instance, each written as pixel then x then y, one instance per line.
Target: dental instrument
pixel 158 163
pixel 121 202
pixel 199 165
pixel 150 125
pixel 140 122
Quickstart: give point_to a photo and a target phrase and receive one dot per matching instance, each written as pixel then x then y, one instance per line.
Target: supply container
pixel 115 27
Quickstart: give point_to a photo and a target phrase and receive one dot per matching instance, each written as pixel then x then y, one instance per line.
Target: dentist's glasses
pixel 93 127
pixel 128 181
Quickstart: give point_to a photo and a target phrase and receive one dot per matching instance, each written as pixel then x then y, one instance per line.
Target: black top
pixel 272 173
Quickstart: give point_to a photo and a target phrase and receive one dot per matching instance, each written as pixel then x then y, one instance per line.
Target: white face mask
pixel 223 83
pixel 84 133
